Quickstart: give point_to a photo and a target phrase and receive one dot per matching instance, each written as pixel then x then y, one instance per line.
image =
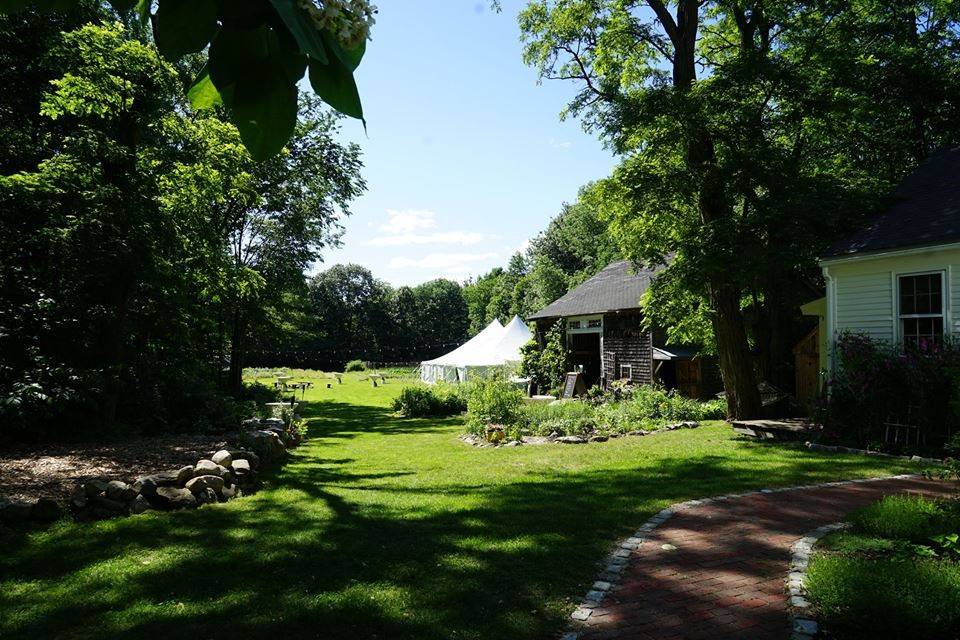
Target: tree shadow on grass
pixel 304 560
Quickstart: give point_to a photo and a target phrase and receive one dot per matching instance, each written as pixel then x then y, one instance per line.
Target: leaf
pixel 202 94
pixel 185 26
pixel 265 113
pixel 334 83
pixel 122 6
pixel 233 51
pixel 349 57
pixel 302 28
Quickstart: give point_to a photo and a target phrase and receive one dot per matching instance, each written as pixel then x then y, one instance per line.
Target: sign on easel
pixel 574 384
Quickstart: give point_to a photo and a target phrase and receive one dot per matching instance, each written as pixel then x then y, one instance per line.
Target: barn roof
pixel 925 211
pixel 617 287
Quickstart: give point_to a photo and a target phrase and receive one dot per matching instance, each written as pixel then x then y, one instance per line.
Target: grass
pixel 382 527
pixel 877 581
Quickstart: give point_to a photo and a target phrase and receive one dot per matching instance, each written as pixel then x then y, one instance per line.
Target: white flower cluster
pixel 348 20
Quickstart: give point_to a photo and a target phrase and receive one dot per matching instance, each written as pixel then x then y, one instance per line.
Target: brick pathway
pixel 726 577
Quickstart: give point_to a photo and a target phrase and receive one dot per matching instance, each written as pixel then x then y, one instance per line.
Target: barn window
pixel 626 372
pixel 596 322
pixel 921 309
pixel 573 324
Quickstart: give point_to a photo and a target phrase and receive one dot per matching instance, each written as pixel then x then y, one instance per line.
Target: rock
pixel 690 424
pixel 512 443
pixel 222 458
pixel 79 499
pixel 206 468
pixel 553 435
pixel 120 491
pixel 225 474
pixel 175 498
pixel 571 440
pixel 184 474
pixel 148 484
pixel 13 512
pixel 109 505
pixel 230 491
pixel 207 496
pixel 253 459
pixel 95 487
pixel 139 505
pixel 638 432
pixel 599 438
pixel 45 510
pixel 266 444
pixel 240 468
pixel 201 483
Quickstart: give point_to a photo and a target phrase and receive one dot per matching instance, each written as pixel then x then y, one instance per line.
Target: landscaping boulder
pixel 202 483
pixel 225 474
pixel 79 500
pixel 240 468
pixel 599 438
pixel 571 440
pixel 45 510
pixel 95 487
pixel 222 458
pixel 14 512
pixel 230 491
pixel 120 491
pixel 148 485
pixel 184 474
pixel 140 504
pixel 175 498
pixel 207 496
pixel 108 505
pixel 206 468
pixel 266 444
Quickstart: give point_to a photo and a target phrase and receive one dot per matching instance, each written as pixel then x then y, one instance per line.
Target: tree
pixel 443 319
pixel 258 52
pixel 739 173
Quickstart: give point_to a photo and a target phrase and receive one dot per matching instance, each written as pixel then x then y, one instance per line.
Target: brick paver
pixel 725 578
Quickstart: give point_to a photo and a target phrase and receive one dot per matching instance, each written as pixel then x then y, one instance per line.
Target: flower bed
pixel 894 574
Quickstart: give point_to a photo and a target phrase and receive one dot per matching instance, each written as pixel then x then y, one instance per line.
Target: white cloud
pixel 408 220
pixel 560 144
pixel 452 263
pixel 444 237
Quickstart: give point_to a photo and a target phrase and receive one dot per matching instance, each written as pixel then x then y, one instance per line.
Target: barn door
pixel 688 378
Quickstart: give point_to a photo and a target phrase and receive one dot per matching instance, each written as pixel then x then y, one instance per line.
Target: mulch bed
pixel 54 471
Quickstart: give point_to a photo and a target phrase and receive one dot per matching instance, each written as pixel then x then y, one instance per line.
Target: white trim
pixel 831 315
pixel 584 321
pixel 629 377
pixel 857 257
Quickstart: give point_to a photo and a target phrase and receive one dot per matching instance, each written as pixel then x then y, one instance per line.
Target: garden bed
pixel 54 471
pixel 895 573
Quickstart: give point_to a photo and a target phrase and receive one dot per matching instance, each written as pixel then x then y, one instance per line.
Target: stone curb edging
pixel 477 441
pixel 617 560
pixel 814 446
pixel 803 626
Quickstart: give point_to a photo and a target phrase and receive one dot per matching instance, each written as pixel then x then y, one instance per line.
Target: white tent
pixel 494 347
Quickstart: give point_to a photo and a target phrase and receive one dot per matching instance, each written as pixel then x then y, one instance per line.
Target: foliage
pixel 875 383
pixel 355 365
pixel 546 365
pixel 421 401
pixel 751 135
pixel 258 53
pixel 883 577
pixel 642 407
pixel 911 518
pixel 352 314
pixel 889 598
pixel 493 400
pixel 141 246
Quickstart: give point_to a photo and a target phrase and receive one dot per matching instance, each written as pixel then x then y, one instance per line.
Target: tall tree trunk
pixel 736 363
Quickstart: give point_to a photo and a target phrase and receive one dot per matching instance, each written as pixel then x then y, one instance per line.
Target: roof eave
pixel 827 261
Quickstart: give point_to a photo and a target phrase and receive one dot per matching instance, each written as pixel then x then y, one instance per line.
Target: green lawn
pixel 386 528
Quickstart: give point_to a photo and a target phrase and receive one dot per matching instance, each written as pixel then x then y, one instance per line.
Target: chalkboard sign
pixel 574 384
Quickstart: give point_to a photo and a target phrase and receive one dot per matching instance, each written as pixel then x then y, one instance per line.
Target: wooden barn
pixel 602 321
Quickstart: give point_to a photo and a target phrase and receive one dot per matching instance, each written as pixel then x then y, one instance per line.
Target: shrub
pixel 887 598
pixel 493 401
pixel 876 382
pixel 567 417
pixel 420 401
pixel 906 518
pixel 546 365
pixel 355 365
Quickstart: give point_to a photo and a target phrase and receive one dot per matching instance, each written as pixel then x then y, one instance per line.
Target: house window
pixel 921 309
pixel 573 324
pixel 595 323
pixel 626 372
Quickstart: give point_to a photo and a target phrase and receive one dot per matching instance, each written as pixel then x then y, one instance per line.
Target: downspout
pixel 830 317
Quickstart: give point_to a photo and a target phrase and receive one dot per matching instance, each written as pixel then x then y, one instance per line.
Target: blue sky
pixel 465 156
